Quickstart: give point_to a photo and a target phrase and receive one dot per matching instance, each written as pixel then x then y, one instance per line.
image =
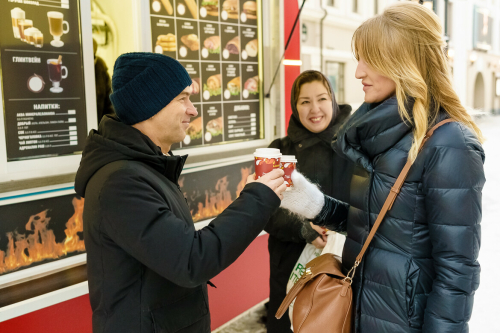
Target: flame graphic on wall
pixel 216 202
pixel 41 244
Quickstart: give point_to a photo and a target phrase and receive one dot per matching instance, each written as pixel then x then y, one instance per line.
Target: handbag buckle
pixel 350 274
pixel 307 273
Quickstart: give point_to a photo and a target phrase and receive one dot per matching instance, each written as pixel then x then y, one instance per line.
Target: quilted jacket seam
pixel 364 314
pixel 383 285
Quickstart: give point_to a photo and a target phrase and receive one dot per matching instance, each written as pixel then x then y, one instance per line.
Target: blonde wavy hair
pixel 405 43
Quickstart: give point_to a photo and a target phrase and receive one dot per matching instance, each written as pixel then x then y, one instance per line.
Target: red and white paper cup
pixel 288 164
pixel 266 160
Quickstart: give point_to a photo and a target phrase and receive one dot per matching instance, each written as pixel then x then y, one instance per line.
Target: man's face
pixel 169 125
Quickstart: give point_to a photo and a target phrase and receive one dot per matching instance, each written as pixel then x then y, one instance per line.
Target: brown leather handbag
pixel 323 294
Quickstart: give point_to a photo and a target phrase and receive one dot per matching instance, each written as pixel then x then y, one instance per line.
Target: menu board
pixel 217 41
pixel 42 78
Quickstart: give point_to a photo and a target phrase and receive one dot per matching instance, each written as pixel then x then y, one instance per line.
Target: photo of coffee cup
pixel 288 164
pixel 17 14
pixel 38 38
pixel 55 74
pixel 266 160
pixel 56 27
pixel 23 26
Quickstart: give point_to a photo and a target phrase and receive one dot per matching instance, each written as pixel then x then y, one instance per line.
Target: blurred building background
pixel 470 27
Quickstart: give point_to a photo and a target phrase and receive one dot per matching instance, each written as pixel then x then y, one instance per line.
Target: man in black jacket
pixel 147 265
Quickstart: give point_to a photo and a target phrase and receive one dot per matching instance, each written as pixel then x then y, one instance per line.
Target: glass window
pixel 335 74
pixel 375 7
pixel 330 3
pixel 354 6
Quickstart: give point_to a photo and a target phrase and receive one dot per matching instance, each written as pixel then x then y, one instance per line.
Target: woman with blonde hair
pixel 420 272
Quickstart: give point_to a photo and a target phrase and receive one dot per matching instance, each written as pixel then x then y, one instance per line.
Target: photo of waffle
pixel 233 46
pixel 252 48
pixel 166 42
pixel 212 44
pixel 215 127
pixel 252 85
pixel 234 86
pixel 213 85
pixel 191 41
pixel 250 9
pixel 211 7
pixel 231 8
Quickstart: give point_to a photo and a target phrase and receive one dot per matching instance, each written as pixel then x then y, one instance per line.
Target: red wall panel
pixel 239 287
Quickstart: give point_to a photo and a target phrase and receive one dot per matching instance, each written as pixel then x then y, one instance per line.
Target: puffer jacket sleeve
pixel 452 185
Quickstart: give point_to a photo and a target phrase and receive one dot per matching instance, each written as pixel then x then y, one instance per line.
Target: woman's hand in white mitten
pixel 304 198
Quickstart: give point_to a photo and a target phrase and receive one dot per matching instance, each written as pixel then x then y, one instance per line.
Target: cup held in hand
pixel 288 164
pixel 266 160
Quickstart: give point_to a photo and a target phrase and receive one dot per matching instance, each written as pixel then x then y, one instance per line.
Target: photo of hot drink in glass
pixel 56 26
pixel 23 26
pixel 55 74
pixel 17 15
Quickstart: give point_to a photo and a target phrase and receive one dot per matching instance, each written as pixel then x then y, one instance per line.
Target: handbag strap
pixel 391 198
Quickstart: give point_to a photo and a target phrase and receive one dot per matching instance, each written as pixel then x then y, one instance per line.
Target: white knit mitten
pixel 304 198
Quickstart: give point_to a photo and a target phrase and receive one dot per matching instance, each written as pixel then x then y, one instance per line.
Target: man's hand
pixel 274 180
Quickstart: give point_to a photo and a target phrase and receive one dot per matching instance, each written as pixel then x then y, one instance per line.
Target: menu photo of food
pixel 209 9
pixel 166 43
pixel 249 11
pixel 232 49
pixel 214 124
pixel 188 40
pixel 233 88
pixel 214 129
pixel 187 8
pixel 251 88
pixel 251 50
pixel 212 87
pixel 162 6
pixel 229 10
pixel 194 132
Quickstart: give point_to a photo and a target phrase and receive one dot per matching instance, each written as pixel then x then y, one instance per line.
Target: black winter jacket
pixel 420 272
pixel 147 265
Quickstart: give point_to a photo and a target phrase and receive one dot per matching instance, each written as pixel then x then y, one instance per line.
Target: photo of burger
pixel 231 8
pixel 211 6
pixel 252 85
pixel 250 9
pixel 234 86
pixel 215 127
pixel 191 41
pixel 213 85
pixel 252 48
pixel 233 46
pixel 212 44
pixel 194 131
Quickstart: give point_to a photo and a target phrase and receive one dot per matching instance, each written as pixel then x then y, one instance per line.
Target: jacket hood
pixel 115 141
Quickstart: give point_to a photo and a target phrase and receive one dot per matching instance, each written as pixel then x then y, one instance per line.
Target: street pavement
pixel 486 313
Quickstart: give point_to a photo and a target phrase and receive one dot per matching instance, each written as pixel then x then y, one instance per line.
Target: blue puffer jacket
pixel 421 270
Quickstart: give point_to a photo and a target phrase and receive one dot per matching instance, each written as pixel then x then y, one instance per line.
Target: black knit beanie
pixel 144 83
